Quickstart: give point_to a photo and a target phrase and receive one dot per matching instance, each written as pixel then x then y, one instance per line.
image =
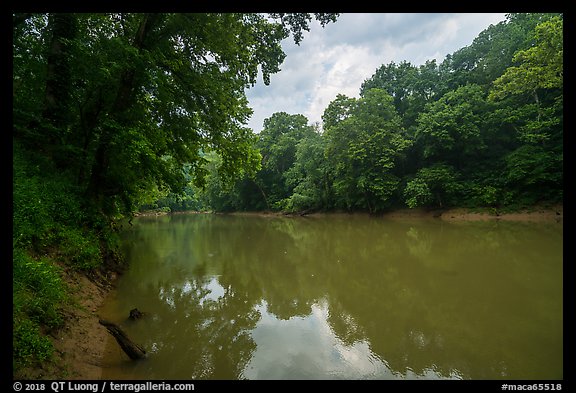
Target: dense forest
pixel 483 129
pixel 116 113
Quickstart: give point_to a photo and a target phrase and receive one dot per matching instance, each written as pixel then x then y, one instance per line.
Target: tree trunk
pixel 58 89
pixel 263 194
pixel 98 188
pixel 133 350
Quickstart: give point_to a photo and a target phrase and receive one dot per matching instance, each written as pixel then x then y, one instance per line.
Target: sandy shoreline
pixel 554 213
pixel 81 344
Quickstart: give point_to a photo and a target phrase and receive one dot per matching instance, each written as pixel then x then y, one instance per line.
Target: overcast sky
pixel 336 59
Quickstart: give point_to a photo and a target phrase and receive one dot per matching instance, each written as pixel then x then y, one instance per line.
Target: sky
pixel 336 59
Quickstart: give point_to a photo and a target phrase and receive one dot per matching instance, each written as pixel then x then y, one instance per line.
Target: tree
pixel 450 129
pixel 396 80
pixel 433 186
pixel 143 94
pixel 491 52
pixel 534 174
pixel 338 110
pixel 412 87
pixel 363 150
pixel 310 176
pixel 278 143
pixel 532 90
pixel 539 74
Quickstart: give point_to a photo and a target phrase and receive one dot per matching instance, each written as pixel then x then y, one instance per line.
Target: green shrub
pixel 38 289
pixel 37 295
pixel 29 345
pixel 80 249
pixel 44 201
pixel 31 220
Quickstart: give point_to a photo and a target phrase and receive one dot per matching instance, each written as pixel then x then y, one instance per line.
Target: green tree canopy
pixel 310 176
pixel 432 135
pixel 410 86
pixel 364 149
pixel 539 67
pixel 433 186
pixel 539 76
pixel 125 100
pixel 450 128
pixel 278 143
pixel 491 52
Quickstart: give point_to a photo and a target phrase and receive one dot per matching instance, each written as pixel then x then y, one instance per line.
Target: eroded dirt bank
pixel 79 345
pixel 553 213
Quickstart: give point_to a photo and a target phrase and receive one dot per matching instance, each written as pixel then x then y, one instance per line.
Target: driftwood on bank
pixel 133 350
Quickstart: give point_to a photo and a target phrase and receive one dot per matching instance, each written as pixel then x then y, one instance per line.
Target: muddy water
pixel 339 297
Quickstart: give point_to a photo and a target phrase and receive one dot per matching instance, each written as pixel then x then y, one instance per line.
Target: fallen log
pixel 133 350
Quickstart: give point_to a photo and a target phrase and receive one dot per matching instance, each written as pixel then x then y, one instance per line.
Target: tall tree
pixel 532 91
pixel 539 76
pixel 278 143
pixel 310 176
pixel 364 150
pixel 411 87
pixel 398 80
pixel 450 129
pixel 144 94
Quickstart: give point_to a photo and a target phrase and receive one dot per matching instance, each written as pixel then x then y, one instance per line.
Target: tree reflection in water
pixel 342 297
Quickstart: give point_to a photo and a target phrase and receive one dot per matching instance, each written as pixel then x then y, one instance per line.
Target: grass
pixel 37 296
pixel 50 228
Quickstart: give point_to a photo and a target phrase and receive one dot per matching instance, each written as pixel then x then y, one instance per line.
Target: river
pixel 339 297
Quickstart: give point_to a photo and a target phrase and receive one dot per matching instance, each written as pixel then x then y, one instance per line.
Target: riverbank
pixel 81 344
pixel 534 214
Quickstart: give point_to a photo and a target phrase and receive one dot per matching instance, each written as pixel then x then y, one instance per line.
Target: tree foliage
pixel 129 99
pixel 432 186
pixel 450 129
pixel 539 78
pixel 364 149
pixel 278 142
pixel 539 67
pixel 482 128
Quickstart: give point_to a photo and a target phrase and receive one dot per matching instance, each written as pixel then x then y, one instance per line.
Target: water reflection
pixel 340 298
pixel 308 348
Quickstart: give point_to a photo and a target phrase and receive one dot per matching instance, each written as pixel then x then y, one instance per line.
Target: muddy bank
pixel 79 345
pixel 536 214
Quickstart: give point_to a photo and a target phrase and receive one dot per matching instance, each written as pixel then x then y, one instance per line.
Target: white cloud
pixel 338 58
pixel 307 347
pixel 348 68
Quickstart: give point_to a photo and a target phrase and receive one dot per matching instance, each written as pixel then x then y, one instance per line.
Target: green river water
pixel 339 297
